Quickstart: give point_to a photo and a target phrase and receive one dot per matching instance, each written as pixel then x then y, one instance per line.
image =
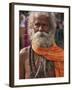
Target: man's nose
pixel 41 29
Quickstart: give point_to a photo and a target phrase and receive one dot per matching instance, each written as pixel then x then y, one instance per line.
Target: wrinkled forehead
pixel 41 16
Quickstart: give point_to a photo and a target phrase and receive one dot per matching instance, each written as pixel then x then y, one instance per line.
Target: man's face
pixel 42 36
pixel 41 24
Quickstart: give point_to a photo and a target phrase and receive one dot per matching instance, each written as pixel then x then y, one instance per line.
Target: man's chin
pixel 40 42
pixel 43 41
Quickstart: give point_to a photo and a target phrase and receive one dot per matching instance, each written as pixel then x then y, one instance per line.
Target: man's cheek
pixel 35 29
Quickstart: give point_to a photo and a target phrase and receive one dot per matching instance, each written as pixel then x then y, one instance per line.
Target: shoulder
pixel 24 52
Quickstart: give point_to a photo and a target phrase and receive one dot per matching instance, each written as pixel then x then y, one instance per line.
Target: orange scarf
pixel 55 54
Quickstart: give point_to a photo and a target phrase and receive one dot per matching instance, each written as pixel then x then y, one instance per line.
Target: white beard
pixel 43 39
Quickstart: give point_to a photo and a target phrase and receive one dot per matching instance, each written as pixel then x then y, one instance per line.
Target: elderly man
pixel 43 58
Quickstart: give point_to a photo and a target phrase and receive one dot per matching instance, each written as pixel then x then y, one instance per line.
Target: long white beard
pixel 43 39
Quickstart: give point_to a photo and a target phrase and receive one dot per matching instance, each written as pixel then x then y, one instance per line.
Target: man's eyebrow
pixel 37 23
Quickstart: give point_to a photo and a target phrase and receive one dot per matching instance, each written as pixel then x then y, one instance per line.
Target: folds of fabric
pixel 55 54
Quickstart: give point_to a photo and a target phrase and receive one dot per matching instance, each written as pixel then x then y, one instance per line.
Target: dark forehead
pixel 41 17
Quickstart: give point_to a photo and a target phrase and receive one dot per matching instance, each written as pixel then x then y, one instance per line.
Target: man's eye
pixel 45 25
pixel 37 24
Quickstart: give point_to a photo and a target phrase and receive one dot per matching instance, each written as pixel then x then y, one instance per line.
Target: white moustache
pixel 42 39
pixel 40 34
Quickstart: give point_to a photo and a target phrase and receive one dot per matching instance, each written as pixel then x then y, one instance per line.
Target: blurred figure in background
pixel 59 36
pixel 23 35
pixel 22 30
